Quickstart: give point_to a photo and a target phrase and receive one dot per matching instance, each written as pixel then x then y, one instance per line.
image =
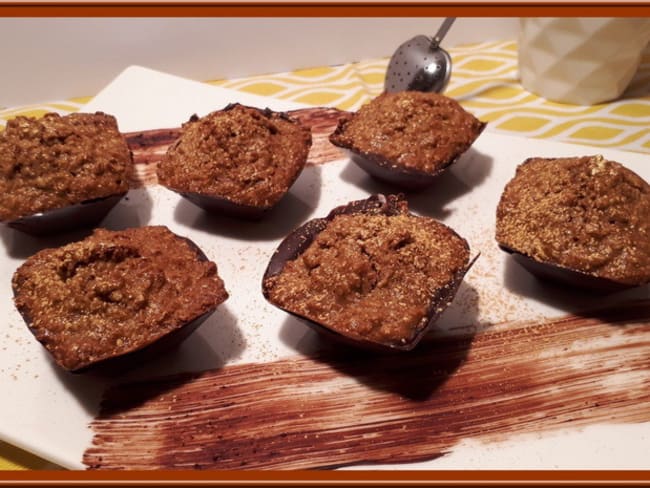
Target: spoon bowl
pixel 420 64
pixel 415 66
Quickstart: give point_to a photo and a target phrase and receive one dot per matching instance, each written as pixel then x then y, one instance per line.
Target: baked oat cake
pixel 114 293
pixel 582 213
pixel 57 161
pixel 243 155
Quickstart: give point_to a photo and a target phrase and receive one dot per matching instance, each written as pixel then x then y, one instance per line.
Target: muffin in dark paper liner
pixel 582 221
pixel 370 274
pixel 239 161
pixel 116 298
pixel 60 173
pixel 407 138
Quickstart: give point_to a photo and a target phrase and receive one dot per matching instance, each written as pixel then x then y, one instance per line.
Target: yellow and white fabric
pixel 484 80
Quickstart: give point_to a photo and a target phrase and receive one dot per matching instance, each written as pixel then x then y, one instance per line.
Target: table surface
pixel 485 81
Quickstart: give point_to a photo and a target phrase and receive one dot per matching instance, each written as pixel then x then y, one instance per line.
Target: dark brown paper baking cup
pixel 84 214
pixel 384 170
pixel 566 276
pixel 223 206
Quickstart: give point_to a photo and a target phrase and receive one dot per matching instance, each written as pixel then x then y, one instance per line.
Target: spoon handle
pixel 442 32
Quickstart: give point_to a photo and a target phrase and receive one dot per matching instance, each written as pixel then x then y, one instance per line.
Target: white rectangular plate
pixel 47 412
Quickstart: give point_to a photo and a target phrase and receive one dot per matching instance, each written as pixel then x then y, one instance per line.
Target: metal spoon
pixel 420 64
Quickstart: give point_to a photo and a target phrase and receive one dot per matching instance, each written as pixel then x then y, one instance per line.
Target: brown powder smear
pixel 322 121
pixel 150 146
pixel 514 378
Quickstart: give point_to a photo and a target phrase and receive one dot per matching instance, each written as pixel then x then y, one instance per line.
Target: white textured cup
pixel 582 61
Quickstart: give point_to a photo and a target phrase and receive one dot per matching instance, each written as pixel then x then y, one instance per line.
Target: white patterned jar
pixel 582 61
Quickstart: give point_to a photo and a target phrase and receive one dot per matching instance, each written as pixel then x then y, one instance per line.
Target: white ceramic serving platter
pixel 48 412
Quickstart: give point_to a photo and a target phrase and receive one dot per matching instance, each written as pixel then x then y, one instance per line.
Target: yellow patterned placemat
pixel 485 82
pixel 12 458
